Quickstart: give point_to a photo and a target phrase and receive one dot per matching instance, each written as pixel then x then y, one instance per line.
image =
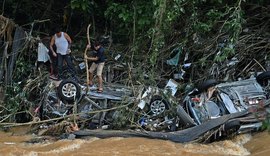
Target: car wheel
pixel 207 84
pixel 69 91
pixel 263 78
pixel 232 126
pixel 158 105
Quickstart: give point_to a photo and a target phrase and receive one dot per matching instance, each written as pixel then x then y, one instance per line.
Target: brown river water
pixel 246 144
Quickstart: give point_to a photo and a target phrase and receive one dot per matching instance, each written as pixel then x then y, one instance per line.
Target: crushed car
pixel 212 99
pixel 61 101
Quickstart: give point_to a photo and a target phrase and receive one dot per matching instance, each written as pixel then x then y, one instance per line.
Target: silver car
pixel 212 100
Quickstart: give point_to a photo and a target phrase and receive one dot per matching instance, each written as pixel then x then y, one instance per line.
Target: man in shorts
pixel 98 63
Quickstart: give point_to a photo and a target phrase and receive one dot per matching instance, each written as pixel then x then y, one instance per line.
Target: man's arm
pixel 92 58
pixel 51 46
pixel 68 39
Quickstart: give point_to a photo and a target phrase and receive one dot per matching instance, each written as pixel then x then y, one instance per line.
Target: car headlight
pixel 253 101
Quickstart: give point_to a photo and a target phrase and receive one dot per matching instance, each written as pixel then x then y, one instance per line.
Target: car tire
pixel 232 126
pixel 158 105
pixel 263 78
pixel 69 91
pixel 207 84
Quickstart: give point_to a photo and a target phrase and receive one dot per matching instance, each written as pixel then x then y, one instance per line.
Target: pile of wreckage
pixel 209 111
pixel 212 110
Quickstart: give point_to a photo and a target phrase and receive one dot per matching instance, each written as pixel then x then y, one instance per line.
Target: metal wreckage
pixel 210 111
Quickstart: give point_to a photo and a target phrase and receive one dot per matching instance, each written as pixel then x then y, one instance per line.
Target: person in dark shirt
pixel 98 63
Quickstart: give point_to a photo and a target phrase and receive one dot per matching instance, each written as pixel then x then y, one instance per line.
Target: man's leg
pixel 72 70
pixel 53 70
pixel 99 74
pixel 91 73
pixel 54 66
pixel 70 65
pixel 60 65
pixel 100 83
pixel 48 65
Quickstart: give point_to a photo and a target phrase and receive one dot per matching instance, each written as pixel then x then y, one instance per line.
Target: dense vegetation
pixel 209 33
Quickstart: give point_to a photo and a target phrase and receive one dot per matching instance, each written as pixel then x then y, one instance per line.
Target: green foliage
pixel 24 67
pixel 14 97
pixel 233 25
pixel 224 19
pixel 225 53
pixel 124 15
pixel 266 122
pixel 214 14
pixel 202 27
pixel 207 22
pixel 157 36
pixel 203 61
pixel 83 5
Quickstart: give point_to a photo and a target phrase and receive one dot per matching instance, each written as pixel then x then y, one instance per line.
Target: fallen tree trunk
pixel 186 135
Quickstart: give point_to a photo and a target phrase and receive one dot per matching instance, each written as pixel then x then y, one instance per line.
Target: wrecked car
pixel 156 107
pixel 60 101
pixel 244 99
pixel 213 99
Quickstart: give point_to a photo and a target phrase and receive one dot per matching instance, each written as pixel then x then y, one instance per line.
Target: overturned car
pixel 213 99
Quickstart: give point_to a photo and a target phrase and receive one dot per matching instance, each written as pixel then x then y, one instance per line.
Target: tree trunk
pixel 4 59
pixel 17 46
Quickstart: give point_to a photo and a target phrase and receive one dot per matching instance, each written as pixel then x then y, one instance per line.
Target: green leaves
pixel 233 25
pixel 202 27
pixel 214 14
pixel 80 4
pixel 224 55
pixel 125 16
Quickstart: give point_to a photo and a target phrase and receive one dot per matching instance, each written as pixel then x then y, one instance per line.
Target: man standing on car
pixel 62 41
pixel 98 63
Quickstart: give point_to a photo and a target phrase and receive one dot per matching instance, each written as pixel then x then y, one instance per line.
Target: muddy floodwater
pixel 246 144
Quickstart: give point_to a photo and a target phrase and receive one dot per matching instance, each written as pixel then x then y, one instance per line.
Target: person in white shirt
pixel 62 41
pixel 43 56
